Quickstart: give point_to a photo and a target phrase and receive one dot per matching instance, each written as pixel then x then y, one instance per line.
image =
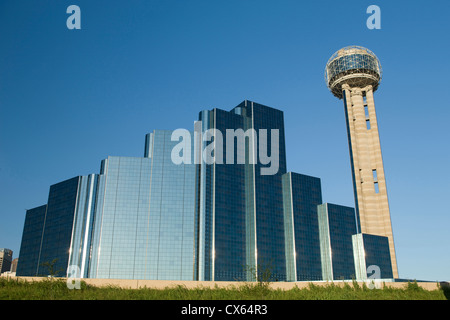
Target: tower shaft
pixel 371 200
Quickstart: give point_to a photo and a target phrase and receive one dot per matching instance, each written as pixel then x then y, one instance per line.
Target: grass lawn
pixel 56 289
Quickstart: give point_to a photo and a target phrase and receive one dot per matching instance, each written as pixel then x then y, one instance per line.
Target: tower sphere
pixel 355 66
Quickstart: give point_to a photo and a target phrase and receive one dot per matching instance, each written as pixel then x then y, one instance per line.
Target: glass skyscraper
pixel 302 195
pixel 337 225
pixel 145 222
pixel 372 256
pixel 31 241
pixel 134 220
pixel 215 203
pixel 240 210
pixel 48 230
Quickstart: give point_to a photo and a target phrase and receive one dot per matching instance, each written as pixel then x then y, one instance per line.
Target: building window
pixel 377 190
pixel 366 113
pixel 375 180
pixel 374 173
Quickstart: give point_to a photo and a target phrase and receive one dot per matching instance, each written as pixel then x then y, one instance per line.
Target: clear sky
pixel 70 98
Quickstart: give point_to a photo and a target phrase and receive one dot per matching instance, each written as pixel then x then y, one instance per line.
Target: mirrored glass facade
pixel 337 224
pixel 31 241
pixel 134 220
pixel 302 194
pixel 53 234
pixel 240 211
pixel 145 225
pixel 221 210
pixel 58 227
pixel 372 256
pixel 80 244
pixel 269 214
pixel 5 260
pixel 174 214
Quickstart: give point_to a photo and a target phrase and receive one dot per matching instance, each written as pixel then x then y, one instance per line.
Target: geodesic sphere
pixel 355 66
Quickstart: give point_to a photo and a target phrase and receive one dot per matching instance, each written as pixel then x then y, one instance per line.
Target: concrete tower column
pixel 353 74
pixel 367 165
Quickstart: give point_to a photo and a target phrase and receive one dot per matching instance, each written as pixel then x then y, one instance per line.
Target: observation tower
pixel 353 74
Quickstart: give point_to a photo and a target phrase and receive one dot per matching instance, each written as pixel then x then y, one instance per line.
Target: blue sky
pixel 70 98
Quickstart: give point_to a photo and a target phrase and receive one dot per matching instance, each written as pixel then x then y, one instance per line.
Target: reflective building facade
pixel 145 223
pixel 31 241
pixel 82 227
pixel 5 260
pixel 337 225
pixel 302 194
pixel 240 227
pixel 372 256
pixel 48 230
pixel 212 204
pixel 134 220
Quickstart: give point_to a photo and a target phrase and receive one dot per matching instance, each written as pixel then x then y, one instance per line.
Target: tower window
pixel 375 180
pixel 366 113
pixel 374 173
pixel 377 190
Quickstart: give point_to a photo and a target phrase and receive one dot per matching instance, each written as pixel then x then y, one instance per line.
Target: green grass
pixel 56 289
